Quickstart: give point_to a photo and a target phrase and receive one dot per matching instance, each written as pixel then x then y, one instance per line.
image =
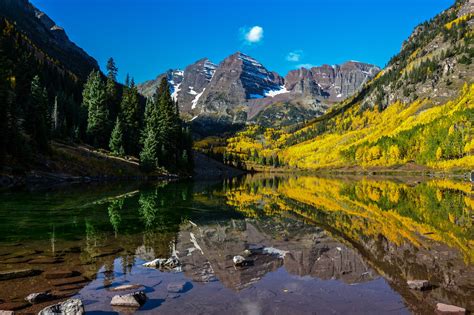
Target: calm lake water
pixel 318 245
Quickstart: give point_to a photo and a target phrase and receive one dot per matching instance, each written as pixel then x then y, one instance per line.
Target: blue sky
pixel 147 37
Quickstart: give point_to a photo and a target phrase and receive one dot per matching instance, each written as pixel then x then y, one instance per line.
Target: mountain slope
pixel 419 109
pixel 48 37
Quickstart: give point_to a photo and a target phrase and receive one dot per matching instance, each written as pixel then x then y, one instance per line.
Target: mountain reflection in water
pixel 317 244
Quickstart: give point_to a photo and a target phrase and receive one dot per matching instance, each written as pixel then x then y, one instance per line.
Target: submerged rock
pixel 135 299
pixel 59 274
pixel 35 298
pixel 418 284
pixel 68 307
pixel 445 309
pixel 66 281
pixel 45 261
pixel 20 273
pixel 14 306
pixel 178 287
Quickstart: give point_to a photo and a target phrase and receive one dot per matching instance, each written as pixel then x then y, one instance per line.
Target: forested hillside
pixel 419 109
pixel 46 103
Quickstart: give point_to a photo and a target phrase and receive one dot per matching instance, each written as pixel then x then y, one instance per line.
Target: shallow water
pixel 318 245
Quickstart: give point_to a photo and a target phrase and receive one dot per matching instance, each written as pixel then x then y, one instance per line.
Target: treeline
pixel 153 132
pixel 41 102
pixel 39 99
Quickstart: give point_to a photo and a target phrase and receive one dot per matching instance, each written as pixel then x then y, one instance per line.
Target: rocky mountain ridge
pixel 240 88
pixel 47 38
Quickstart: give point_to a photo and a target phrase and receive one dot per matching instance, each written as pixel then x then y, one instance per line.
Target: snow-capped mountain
pixel 240 87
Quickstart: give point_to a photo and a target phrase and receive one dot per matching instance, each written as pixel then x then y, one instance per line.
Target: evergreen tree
pixel 37 117
pixel 116 139
pixel 95 100
pixel 111 88
pixel 149 153
pixel 130 115
pixel 170 124
pixel 165 142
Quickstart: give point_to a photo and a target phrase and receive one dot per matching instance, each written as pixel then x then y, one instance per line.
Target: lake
pixel 312 245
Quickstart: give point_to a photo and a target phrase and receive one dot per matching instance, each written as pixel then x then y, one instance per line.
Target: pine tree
pixel 149 153
pixel 116 139
pixel 37 117
pixel 95 100
pixel 170 124
pixel 111 88
pixel 130 115
pixel 147 119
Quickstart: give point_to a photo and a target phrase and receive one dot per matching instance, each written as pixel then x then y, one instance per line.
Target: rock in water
pixel 178 287
pixel 35 298
pixel 445 309
pixel 418 284
pixel 135 299
pixel 238 260
pixel 162 263
pixel 59 274
pixel 126 287
pixel 68 307
pixel 13 274
pixel 241 261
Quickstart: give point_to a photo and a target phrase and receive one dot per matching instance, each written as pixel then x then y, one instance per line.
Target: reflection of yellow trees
pixel 439 210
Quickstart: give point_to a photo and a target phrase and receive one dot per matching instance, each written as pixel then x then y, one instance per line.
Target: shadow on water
pixel 313 243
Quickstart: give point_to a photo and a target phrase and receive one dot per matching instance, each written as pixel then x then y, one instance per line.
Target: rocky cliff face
pixel 335 82
pixel 240 89
pixel 47 36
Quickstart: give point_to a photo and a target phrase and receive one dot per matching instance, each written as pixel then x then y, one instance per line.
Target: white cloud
pixel 253 35
pixel 294 56
pixel 305 65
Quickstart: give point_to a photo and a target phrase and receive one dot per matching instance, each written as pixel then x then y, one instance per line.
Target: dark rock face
pixel 49 37
pixel 195 79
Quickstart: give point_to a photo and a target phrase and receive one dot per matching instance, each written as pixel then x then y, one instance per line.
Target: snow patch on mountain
pixel 209 69
pixel 273 93
pixel 191 91
pixel 196 99
pixel 176 89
